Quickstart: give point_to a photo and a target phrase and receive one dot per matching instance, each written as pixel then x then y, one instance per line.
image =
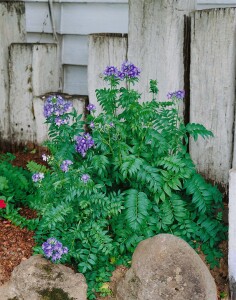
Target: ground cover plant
pixel 120 177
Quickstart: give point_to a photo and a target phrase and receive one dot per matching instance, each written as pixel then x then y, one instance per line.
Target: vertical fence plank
pixel 156 42
pixel 33 70
pixel 232 232
pixel 12 23
pixel 104 50
pixel 212 97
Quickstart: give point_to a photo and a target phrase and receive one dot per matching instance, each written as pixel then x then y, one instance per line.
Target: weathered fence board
pixel 104 50
pixel 232 233
pixel 212 78
pixel 12 22
pixel 156 42
pixel 33 71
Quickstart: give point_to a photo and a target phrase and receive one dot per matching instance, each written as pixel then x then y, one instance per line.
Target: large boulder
pixel 165 267
pixel 37 278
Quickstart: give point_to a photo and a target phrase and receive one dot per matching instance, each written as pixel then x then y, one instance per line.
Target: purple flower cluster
pixel 56 106
pixel 83 143
pixel 178 95
pixel 111 71
pixel 91 107
pixel 65 165
pixel 37 177
pixel 85 178
pixel 128 70
pixel 53 249
pixel 61 121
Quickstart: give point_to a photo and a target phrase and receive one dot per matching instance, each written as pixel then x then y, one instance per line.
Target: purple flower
pixel 85 178
pixel 45 157
pixel 83 143
pixel 65 165
pixel 111 71
pixel 91 107
pixel 91 125
pixel 54 249
pixel 111 124
pixel 129 70
pixel 60 121
pixel 178 95
pixel 56 106
pixel 37 177
pixel 121 75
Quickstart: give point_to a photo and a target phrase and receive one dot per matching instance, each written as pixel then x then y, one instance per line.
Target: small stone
pixel 165 267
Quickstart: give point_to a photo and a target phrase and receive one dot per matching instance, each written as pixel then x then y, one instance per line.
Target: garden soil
pixel 16 244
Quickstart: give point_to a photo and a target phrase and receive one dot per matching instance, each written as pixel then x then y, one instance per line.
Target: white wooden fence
pixel 159 43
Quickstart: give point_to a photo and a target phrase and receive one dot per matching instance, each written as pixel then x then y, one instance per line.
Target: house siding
pixel 74 21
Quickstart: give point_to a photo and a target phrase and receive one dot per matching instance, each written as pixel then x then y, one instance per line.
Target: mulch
pixel 15 245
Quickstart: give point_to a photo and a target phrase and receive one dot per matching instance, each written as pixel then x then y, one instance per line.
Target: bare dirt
pixel 16 244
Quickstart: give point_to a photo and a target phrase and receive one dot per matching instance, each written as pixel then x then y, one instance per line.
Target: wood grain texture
pixel 104 50
pixel 12 30
pixel 156 43
pixel 212 78
pixel 33 70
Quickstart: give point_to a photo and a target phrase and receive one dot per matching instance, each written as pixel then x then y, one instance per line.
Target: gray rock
pixel 165 267
pixel 36 278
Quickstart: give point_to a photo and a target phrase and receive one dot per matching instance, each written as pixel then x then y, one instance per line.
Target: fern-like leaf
pixel 196 130
pixel 150 177
pixel 36 168
pixel 202 195
pixel 131 166
pixel 137 205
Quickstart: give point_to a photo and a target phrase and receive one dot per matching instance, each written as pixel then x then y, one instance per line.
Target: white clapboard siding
pixel 94 1
pixel 212 78
pixel 38 17
pixel 77 18
pixel 156 43
pixel 75 50
pixel 80 1
pixel 104 50
pixel 75 80
pixel 94 18
pixel 12 30
pixel 33 70
pixel 73 21
pixel 208 4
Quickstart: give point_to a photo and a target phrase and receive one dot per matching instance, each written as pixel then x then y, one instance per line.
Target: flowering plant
pixel 127 178
pixel 2 203
pixel 54 249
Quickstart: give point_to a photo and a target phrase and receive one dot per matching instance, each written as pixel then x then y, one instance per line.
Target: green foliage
pixel 16 188
pixel 141 182
pixel 15 182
